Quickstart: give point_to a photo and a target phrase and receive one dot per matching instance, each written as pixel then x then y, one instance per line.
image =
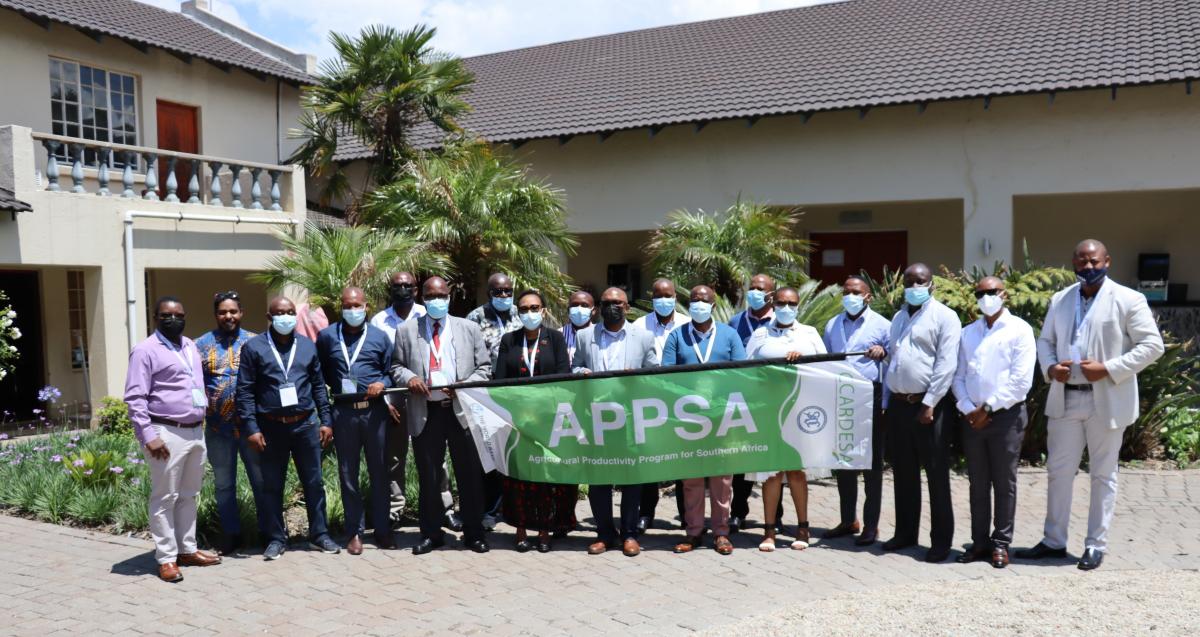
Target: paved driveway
pixel 62 580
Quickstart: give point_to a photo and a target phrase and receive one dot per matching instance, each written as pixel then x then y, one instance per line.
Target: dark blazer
pixel 552 357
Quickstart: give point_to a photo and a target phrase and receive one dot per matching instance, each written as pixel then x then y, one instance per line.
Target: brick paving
pixel 60 580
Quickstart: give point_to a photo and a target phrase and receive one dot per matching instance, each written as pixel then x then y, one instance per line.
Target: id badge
pixel 198 398
pixel 349 386
pixel 1075 357
pixel 287 396
pixel 437 378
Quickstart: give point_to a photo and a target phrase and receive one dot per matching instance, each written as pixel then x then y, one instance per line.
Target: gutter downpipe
pixel 130 295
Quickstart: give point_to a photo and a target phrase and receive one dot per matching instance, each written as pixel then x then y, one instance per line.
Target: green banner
pixel 674 425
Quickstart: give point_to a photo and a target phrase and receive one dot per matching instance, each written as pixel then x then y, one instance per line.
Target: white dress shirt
pixel 389 321
pixel 660 332
pixel 448 369
pixel 996 364
pixel 773 341
pixel 923 351
pixel 612 348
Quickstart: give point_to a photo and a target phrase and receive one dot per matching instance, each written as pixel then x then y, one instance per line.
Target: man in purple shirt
pixel 164 389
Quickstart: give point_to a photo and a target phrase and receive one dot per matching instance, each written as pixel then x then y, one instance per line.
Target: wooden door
pixel 178 130
pixel 837 255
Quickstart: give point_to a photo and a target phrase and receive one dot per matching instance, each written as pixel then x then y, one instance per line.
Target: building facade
pixel 146 149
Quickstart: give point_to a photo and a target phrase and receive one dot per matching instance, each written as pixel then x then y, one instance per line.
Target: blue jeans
pixel 357 433
pixel 300 443
pixel 223 452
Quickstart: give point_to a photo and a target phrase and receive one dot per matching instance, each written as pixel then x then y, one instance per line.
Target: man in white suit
pixel 1097 336
pixel 610 345
pixel 436 350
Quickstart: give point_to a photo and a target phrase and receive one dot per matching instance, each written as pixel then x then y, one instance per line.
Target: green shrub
pixel 96 506
pixel 92 469
pixel 1181 432
pixel 113 417
pixel 56 495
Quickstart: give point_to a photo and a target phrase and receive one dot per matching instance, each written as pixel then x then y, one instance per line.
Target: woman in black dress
pixel 535 351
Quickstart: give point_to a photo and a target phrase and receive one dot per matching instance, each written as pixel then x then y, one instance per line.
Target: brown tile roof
pixel 10 203
pixel 843 55
pixel 148 25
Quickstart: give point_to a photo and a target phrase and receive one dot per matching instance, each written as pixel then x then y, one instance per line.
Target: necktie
pixel 434 364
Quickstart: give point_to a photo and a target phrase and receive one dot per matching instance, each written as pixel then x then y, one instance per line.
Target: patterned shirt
pixel 494 326
pixel 220 354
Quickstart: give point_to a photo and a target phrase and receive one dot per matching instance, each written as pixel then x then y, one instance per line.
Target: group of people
pixel 278 396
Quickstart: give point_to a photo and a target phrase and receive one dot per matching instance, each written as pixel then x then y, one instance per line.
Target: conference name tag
pixel 287 396
pixel 198 398
pixel 349 386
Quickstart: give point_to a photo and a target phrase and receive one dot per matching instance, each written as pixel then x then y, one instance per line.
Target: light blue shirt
pixel 923 351
pixel 845 335
pixel 682 344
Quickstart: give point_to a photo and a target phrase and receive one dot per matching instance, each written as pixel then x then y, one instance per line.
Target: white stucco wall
pixel 238 112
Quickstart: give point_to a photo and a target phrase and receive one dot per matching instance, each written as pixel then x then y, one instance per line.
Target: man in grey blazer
pixel 1097 336
pixel 432 351
pixel 611 345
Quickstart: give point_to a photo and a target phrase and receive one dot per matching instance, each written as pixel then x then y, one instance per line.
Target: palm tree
pixel 326 259
pixel 485 213
pixel 724 250
pixel 376 91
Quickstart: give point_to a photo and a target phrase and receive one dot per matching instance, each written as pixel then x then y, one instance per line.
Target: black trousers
pixel 443 430
pixel 600 498
pixel 359 433
pixel 650 495
pixel 915 447
pixel 847 480
pixel 992 455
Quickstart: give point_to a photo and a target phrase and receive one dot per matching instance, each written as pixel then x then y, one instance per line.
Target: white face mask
pixel 989 304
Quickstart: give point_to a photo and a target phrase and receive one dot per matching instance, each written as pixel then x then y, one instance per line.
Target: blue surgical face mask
pixel 1091 277
pixel 853 303
pixel 785 314
pixel 354 317
pixel 531 320
pixel 437 308
pixel 502 304
pixel 756 299
pixel 580 316
pixel 664 306
pixel 700 311
pixel 283 324
pixel 916 296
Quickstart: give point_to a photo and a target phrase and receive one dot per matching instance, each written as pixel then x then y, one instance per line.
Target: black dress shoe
pixel 736 524
pixel 523 545
pixel 452 522
pixel 937 554
pixel 231 544
pixel 644 523
pixel 974 554
pixel 385 542
pixel 427 545
pixel 867 538
pixel 479 546
pixel 898 544
pixel 1039 552
pixel 999 557
pixel 1091 559
pixel 543 547
pixel 842 530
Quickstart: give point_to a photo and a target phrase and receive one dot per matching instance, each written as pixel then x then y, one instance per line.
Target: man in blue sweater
pixel 704 341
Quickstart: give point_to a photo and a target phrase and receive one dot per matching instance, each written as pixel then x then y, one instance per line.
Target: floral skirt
pixel 539 506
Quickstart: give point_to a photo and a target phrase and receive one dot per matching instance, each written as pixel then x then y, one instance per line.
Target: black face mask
pixel 612 313
pixel 171 326
pixel 402 295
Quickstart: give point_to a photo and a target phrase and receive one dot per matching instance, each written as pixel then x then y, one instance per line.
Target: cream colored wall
pixel 934 228
pixel 237 111
pixel 1127 223
pixel 589 266
pixel 1148 138
pixel 56 327
pixel 195 289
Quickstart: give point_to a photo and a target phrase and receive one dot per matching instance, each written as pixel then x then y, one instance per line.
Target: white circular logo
pixel 811 419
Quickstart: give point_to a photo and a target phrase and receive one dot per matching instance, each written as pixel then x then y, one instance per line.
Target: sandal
pixel 723 545
pixel 802 537
pixel 768 542
pixel 543 543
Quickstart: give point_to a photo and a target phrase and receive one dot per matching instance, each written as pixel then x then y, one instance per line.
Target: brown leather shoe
pixel 199 558
pixel 169 572
pixel 688 544
pixel 867 538
pixel 354 546
pixel 631 547
pixel 976 554
pixel 842 530
pixel 999 557
pixel 723 545
pixel 596 548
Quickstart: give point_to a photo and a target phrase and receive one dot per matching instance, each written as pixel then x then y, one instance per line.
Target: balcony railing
pixel 133 172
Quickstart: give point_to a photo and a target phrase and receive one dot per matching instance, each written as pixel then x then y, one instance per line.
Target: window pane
pixel 102 118
pixel 129 104
pixel 72 130
pixel 56 111
pixel 68 74
pixel 72 93
pixel 98 77
pixel 89 116
pixel 55 69
pixel 102 134
pixel 72 113
pixel 56 128
pixel 127 83
pixel 56 90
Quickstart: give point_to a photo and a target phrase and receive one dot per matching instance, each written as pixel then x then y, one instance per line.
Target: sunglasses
pixel 226 296
pixel 529 308
pixel 501 292
pixel 979 294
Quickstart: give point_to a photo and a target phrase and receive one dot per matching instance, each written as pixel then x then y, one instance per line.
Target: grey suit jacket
pixel 410 359
pixel 639 349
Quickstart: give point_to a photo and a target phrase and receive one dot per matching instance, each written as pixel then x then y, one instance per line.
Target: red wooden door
pixel 837 255
pixel 178 130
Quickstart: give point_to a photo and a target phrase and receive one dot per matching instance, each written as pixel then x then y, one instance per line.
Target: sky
pixel 471 27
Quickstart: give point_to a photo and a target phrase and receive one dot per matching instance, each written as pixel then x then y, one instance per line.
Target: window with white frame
pixel 77 317
pixel 93 103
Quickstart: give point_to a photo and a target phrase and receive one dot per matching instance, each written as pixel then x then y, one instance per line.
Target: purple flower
pixel 37 411
pixel 78 462
pixel 116 470
pixel 56 458
pixel 88 472
pixel 70 445
pixel 3 436
pixel 135 481
pixel 136 461
pixel 49 394
pixel 74 438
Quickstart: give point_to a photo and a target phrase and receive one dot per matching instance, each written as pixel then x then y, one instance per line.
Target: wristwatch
pixel 987 409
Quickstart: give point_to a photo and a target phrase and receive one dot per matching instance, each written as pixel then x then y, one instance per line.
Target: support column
pixel 987 227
